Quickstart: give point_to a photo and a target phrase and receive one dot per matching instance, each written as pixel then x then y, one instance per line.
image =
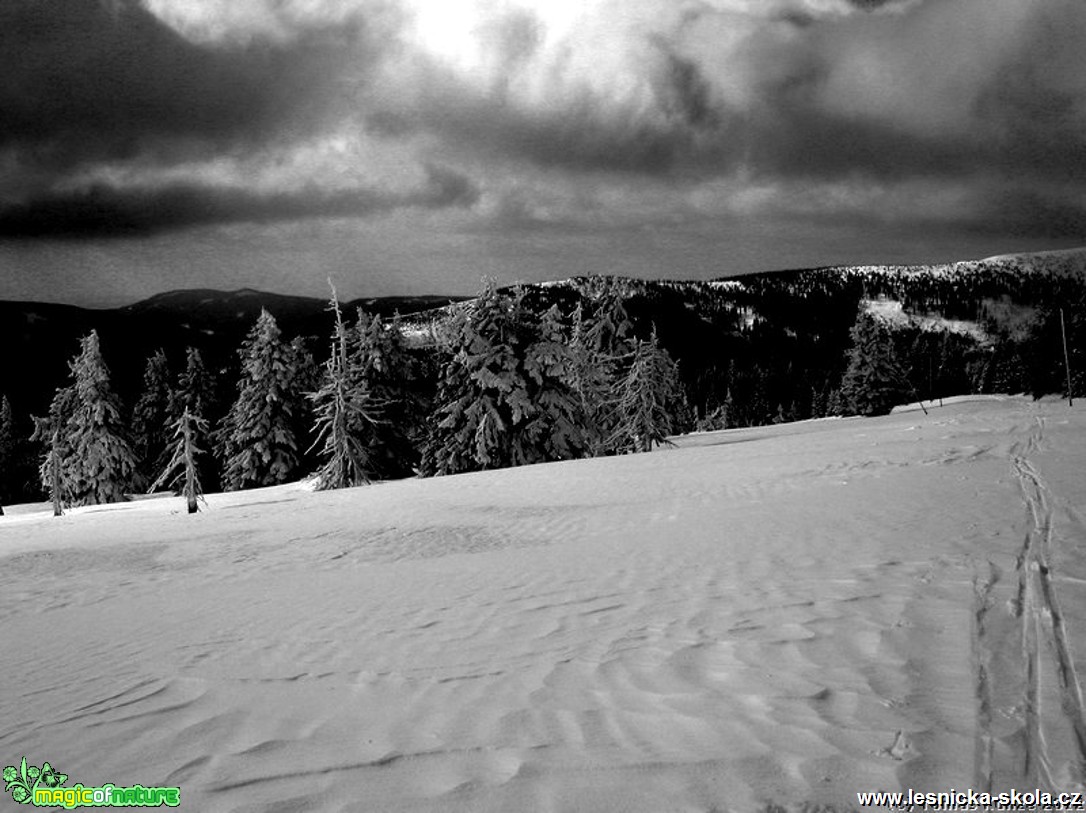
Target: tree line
pixel 518 376
pixel 510 385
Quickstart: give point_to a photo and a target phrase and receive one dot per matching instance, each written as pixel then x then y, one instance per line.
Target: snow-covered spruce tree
pixel 257 443
pixel 471 425
pixel 56 470
pixel 592 377
pixel 97 431
pixel 98 463
pixel 645 399
pixel 182 470
pixel 603 343
pixel 610 330
pixel 346 415
pixel 195 392
pixel 150 416
pixel 506 396
pixel 195 388
pixel 553 429
pixel 874 381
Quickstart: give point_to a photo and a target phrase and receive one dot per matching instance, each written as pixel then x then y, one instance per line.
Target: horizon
pixel 404 146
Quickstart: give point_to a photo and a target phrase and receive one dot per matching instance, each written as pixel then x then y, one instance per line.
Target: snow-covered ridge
pixel 903 295
pixel 1063 262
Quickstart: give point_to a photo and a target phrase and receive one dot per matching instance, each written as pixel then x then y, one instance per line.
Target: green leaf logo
pixel 21 781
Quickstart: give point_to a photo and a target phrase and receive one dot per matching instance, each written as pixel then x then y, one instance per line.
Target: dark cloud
pixel 114 114
pixel 686 94
pixel 996 103
pixel 105 211
pixel 683 127
pixel 869 5
pixel 83 81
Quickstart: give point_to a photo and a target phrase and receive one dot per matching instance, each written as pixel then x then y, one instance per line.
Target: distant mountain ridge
pixel 249 300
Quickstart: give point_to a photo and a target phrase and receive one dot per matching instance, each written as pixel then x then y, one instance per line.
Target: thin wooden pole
pixel 916 395
pixel 942 365
pixel 1066 360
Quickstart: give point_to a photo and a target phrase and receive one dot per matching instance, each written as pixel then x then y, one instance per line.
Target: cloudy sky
pixel 412 146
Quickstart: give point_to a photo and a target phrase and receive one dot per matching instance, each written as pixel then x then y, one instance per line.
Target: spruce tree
pixel 554 427
pixel 646 398
pixel 378 351
pixel 257 442
pixel 593 371
pixel 17 462
pixel 835 404
pixel 52 473
pixel 610 330
pixel 472 422
pixel 195 388
pixel 150 416
pixel 346 415
pixel 874 381
pixel 88 458
pixel 195 391
pixel 57 470
pixel 727 418
pixel 758 410
pixel 507 393
pixel 8 462
pixel 735 397
pixel 97 433
pixel 603 344
pixel 183 467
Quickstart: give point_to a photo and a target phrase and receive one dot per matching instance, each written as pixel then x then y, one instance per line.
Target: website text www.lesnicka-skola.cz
pixel 973 800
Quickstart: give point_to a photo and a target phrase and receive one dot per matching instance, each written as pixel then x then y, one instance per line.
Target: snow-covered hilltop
pixel 1066 262
pixel 999 275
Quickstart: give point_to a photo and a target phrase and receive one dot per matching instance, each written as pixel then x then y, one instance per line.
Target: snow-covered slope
pixel 1068 262
pixel 779 616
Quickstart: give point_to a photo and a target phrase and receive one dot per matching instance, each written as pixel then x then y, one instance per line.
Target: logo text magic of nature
pixel 43 787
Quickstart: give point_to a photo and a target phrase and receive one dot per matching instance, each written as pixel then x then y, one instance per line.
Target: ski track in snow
pixel 1026 670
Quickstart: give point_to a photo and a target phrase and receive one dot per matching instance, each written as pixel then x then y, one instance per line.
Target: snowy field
pixel 780 616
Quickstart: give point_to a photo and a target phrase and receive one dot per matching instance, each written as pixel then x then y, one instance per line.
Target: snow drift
pixel 777 616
